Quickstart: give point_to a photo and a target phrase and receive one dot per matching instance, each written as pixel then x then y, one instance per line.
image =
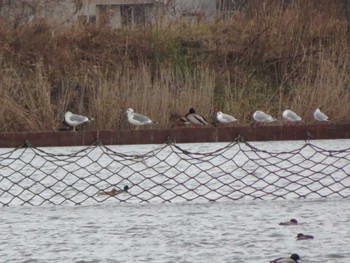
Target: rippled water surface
pixel 226 231
pixel 211 232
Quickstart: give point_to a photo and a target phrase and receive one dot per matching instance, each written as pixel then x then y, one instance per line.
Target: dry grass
pixel 268 58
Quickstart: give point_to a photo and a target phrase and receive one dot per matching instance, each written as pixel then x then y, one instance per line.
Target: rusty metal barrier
pixel 150 135
pixel 170 173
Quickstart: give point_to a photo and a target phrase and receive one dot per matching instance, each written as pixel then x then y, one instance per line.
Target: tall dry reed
pixel 268 57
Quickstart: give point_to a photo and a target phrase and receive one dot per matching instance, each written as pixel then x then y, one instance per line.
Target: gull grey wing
pixel 141 118
pixel 292 115
pixel 322 116
pixel 228 117
pixel 262 116
pixel 78 118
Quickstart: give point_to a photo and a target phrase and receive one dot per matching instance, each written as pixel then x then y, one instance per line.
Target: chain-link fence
pixel 170 173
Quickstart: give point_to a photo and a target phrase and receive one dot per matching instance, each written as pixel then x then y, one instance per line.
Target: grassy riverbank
pixel 269 58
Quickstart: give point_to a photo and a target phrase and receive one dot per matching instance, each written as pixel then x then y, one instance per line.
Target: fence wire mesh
pixel 170 173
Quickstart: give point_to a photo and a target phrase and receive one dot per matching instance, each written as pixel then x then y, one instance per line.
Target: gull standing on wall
pixel 261 116
pixel 224 118
pixel 291 116
pixel 75 119
pixel 137 118
pixel 320 116
pixel 195 118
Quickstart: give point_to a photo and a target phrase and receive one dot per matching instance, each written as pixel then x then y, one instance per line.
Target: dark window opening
pixel 230 5
pixel 133 14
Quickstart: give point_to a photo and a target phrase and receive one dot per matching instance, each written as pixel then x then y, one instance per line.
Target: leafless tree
pixel 19 12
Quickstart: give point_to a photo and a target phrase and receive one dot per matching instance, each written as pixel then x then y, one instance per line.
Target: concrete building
pixel 113 13
pixel 121 13
pixel 118 13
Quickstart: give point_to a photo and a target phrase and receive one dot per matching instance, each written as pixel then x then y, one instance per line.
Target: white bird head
pixel 129 111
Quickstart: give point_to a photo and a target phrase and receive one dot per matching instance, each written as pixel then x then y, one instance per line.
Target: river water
pixel 188 231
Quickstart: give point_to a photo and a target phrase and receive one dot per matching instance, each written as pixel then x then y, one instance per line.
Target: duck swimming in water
pixel 289 223
pixel 114 191
pixel 292 259
pixel 301 236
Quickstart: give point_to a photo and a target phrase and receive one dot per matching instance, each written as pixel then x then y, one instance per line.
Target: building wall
pixel 204 7
pixel 108 12
pixel 114 12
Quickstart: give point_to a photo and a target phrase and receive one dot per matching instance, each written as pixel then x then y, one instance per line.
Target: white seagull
pixel 320 116
pixel 291 116
pixel 137 118
pixel 75 119
pixel 195 118
pixel 224 118
pixel 261 116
